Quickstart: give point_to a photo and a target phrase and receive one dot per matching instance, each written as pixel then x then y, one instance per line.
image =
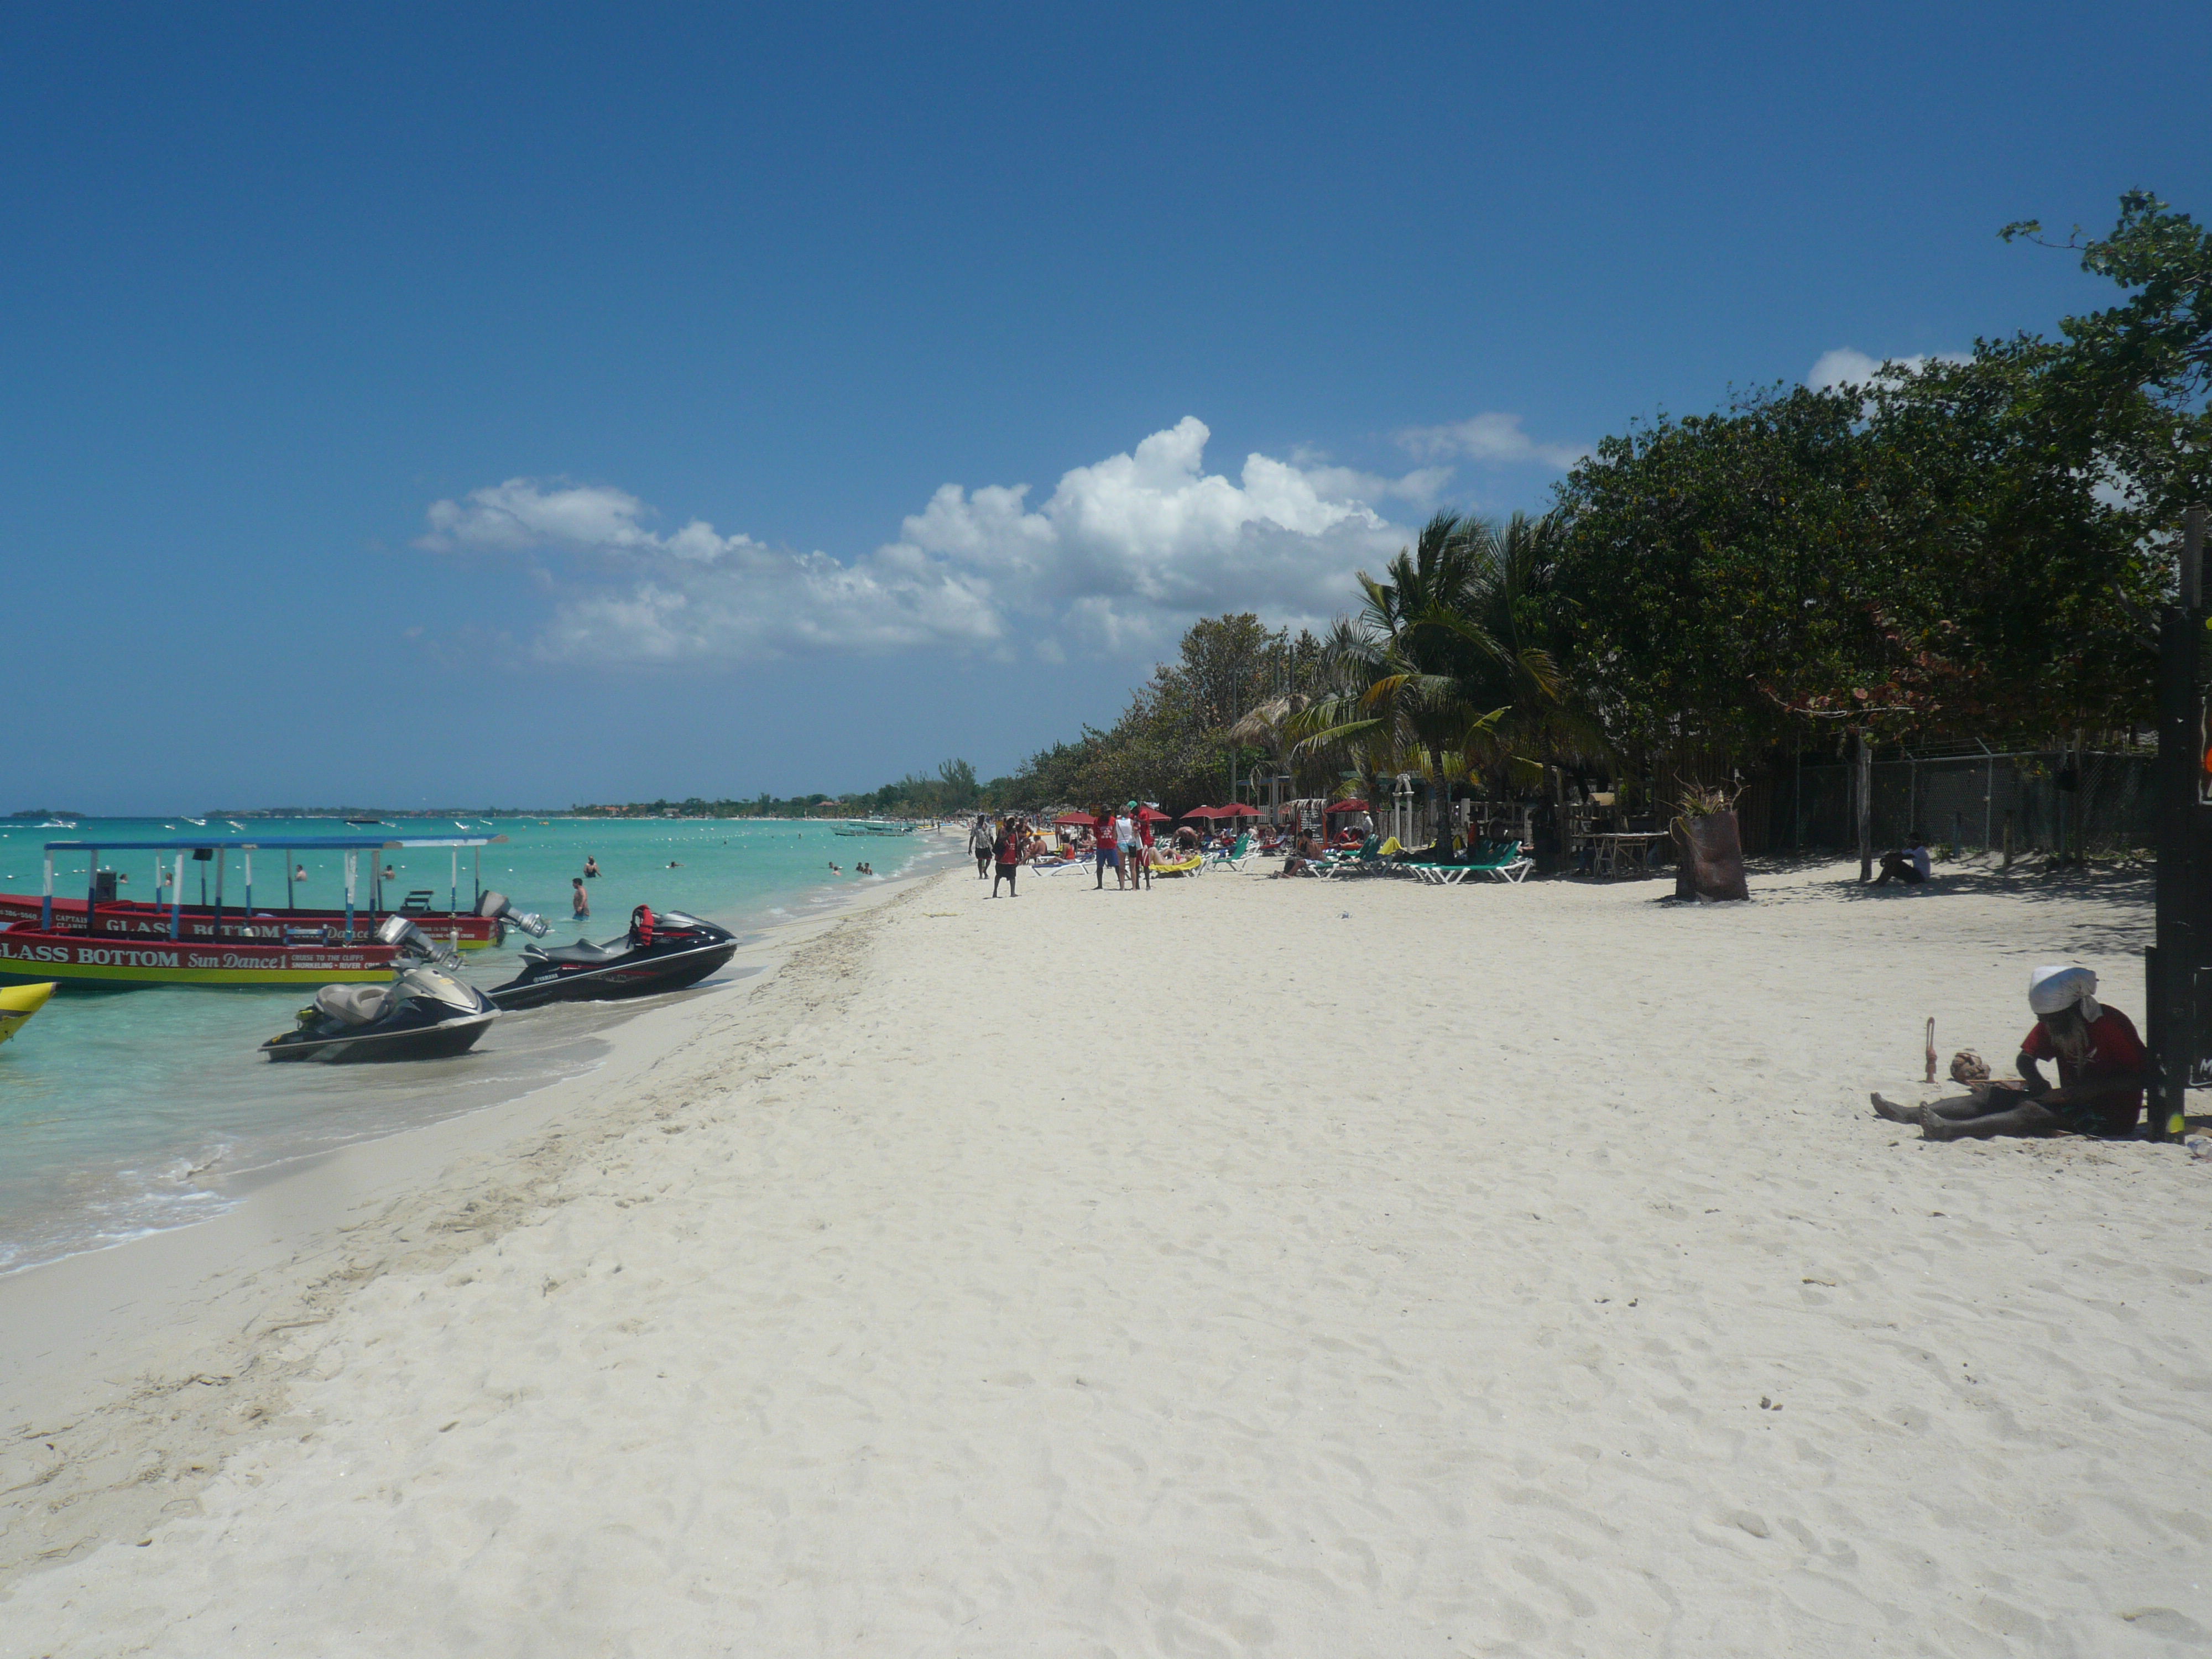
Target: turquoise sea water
pixel 126 1112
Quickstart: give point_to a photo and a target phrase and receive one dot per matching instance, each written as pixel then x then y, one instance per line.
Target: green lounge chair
pixel 1235 857
pixel 1503 860
pixel 1361 860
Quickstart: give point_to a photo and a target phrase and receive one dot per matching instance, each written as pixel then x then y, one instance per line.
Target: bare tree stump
pixel 1710 868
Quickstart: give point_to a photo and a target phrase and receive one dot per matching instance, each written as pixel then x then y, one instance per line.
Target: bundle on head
pixel 1967 1066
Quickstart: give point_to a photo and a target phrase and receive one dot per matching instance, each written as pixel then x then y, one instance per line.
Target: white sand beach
pixel 1246 1267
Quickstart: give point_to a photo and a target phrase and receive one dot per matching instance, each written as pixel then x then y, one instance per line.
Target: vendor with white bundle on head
pixel 2101 1066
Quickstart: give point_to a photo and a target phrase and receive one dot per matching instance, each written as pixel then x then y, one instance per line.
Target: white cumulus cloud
pixel 1846 365
pixel 1494 438
pixel 1119 558
pixel 524 512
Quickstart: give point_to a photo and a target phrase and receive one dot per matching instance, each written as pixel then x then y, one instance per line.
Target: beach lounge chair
pixel 1439 875
pixel 1365 859
pixel 1502 860
pixel 1234 856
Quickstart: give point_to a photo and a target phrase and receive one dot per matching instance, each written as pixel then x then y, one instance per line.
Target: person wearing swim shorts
pixel 2102 1067
pixel 1125 836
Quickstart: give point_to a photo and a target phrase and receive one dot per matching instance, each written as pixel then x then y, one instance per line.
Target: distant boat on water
pixel 873 827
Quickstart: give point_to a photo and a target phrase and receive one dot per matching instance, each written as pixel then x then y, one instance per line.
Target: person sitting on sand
pixel 2101 1062
pixel 1909 864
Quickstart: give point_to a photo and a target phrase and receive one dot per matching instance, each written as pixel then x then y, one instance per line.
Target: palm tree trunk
pixel 1440 792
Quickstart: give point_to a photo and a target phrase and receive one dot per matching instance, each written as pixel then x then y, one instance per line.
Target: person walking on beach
pixel 979 844
pixel 579 906
pixel 1007 850
pixel 1106 852
pixel 1125 836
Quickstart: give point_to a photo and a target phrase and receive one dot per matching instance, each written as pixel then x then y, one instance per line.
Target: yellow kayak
pixel 18 1003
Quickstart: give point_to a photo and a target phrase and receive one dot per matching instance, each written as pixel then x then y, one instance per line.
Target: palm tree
pixel 1434 666
pixel 1332 730
pixel 1514 589
pixel 1269 728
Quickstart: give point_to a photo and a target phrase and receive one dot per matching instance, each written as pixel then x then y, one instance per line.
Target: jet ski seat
pixel 583 952
pixel 353 1005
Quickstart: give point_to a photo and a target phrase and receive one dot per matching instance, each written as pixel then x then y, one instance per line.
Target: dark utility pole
pixel 1864 807
pixel 2173 966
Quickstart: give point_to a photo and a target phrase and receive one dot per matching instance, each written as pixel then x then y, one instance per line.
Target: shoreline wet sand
pixel 1376 1268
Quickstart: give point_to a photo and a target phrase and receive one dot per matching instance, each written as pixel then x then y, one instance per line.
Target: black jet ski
pixel 662 952
pixel 425 1013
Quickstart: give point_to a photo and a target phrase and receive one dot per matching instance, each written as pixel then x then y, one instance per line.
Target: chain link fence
pixel 2065 803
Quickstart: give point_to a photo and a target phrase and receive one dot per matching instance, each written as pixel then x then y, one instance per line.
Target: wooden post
pixel 2171 968
pixel 1865 808
pixel 2007 839
pixel 2077 810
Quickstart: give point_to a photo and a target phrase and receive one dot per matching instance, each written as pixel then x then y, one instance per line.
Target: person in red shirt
pixel 1006 850
pixel 2102 1067
pixel 1108 855
pixel 1144 848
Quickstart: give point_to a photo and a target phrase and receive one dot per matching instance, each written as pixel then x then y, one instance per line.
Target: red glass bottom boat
pixel 100 941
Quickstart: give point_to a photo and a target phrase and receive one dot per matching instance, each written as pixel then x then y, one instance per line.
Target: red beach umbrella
pixel 1344 807
pixel 1152 815
pixel 1237 810
pixel 1083 820
pixel 1203 813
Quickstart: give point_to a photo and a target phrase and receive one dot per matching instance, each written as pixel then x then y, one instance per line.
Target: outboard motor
pixel 414 944
pixel 497 906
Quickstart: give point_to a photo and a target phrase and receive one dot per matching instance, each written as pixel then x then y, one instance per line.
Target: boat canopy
pixel 207 847
pixel 273 843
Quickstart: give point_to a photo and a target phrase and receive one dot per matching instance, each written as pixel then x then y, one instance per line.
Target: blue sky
pixel 560 402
